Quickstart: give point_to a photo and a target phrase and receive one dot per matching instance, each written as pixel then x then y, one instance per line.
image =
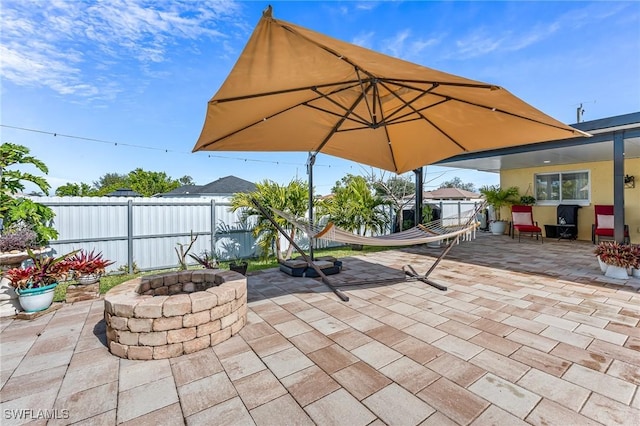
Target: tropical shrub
pixel 499 197
pixel 355 207
pixel 291 199
pixel 20 210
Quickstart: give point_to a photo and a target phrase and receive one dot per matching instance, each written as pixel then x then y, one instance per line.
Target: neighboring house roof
pixel 123 192
pixel 184 190
pixel 224 186
pixel 228 185
pixel 449 194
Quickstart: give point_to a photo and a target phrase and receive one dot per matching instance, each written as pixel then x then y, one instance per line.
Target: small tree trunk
pixel 290 248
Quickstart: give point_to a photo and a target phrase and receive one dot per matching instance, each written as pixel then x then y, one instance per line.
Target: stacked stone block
pixel 176 313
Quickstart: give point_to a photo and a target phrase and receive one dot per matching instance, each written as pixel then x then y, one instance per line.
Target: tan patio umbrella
pixel 294 89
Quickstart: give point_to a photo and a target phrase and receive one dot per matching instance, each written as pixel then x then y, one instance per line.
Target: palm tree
pixel 290 199
pixel 355 207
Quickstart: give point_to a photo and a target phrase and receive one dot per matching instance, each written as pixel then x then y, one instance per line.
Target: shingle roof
pixel 224 185
pixel 184 189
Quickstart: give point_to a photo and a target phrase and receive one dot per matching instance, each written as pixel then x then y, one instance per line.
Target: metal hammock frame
pixel 431 232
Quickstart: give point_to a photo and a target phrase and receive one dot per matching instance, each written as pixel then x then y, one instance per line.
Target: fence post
pixel 130 235
pixel 459 213
pixel 213 226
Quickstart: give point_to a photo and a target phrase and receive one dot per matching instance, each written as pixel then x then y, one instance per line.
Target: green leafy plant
pixel 19 209
pixel 527 200
pixel 44 271
pixel 125 268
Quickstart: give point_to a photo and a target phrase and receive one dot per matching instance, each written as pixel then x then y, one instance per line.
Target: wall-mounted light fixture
pixel 629 181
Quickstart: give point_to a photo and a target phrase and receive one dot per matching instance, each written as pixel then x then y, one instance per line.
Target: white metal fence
pixel 146 231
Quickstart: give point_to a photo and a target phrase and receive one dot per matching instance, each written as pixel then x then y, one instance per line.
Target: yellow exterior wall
pixel 601 193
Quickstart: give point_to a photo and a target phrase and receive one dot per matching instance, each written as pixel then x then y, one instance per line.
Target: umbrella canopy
pixel 294 89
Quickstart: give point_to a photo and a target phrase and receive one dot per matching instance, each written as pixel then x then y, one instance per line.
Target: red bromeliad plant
pixel 616 254
pixel 83 263
pixel 635 251
pixel 43 272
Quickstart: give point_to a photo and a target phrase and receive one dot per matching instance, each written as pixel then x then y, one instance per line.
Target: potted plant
pixel 635 268
pixel 618 258
pixel 239 265
pixel 88 267
pixel 499 197
pixel 527 200
pixel 35 284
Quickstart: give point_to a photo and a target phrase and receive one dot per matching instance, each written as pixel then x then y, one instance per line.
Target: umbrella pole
pixel 418 201
pixel 311 161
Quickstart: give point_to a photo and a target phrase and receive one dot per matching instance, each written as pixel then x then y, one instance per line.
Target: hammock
pixel 434 231
pixel 463 225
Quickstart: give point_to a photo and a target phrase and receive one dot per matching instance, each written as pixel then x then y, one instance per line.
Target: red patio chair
pixel 522 221
pixel 603 228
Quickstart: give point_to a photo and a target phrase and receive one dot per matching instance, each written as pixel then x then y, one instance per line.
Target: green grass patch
pixel 107 282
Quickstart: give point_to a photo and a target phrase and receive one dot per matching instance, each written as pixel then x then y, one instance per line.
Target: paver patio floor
pixel 527 333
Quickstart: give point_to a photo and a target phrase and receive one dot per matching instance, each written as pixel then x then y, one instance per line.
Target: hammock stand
pixel 307 259
pixel 434 231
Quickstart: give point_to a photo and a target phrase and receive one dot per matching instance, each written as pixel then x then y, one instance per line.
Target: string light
pixel 224 157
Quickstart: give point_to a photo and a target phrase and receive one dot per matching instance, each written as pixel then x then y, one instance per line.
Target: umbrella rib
pixel 386 132
pixel 339 122
pixel 321 46
pixel 359 121
pixel 419 112
pixel 327 96
pixel 373 84
pixel 285 91
pixel 305 103
pixel 447 97
pixel 407 103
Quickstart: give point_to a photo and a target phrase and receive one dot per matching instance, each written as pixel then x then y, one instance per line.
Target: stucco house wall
pixel 601 180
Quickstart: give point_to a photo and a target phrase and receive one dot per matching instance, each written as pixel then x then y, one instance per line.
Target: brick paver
pixel 526 334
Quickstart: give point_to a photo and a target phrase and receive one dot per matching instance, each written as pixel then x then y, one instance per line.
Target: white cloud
pixel 364 40
pixel 59 44
pixel 483 40
pixel 402 45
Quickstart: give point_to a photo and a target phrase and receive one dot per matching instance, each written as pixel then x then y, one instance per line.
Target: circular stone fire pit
pixel 176 313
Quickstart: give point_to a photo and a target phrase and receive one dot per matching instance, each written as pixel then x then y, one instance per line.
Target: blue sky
pixel 135 76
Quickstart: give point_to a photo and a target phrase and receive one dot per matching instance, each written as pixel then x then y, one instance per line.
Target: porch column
pixel 618 186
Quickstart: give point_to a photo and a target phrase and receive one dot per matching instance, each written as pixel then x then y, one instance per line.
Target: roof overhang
pixel 599 147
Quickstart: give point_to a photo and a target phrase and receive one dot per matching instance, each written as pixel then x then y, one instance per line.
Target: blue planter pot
pixel 36 299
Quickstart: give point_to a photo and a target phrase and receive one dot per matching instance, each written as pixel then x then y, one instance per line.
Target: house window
pixel 564 187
